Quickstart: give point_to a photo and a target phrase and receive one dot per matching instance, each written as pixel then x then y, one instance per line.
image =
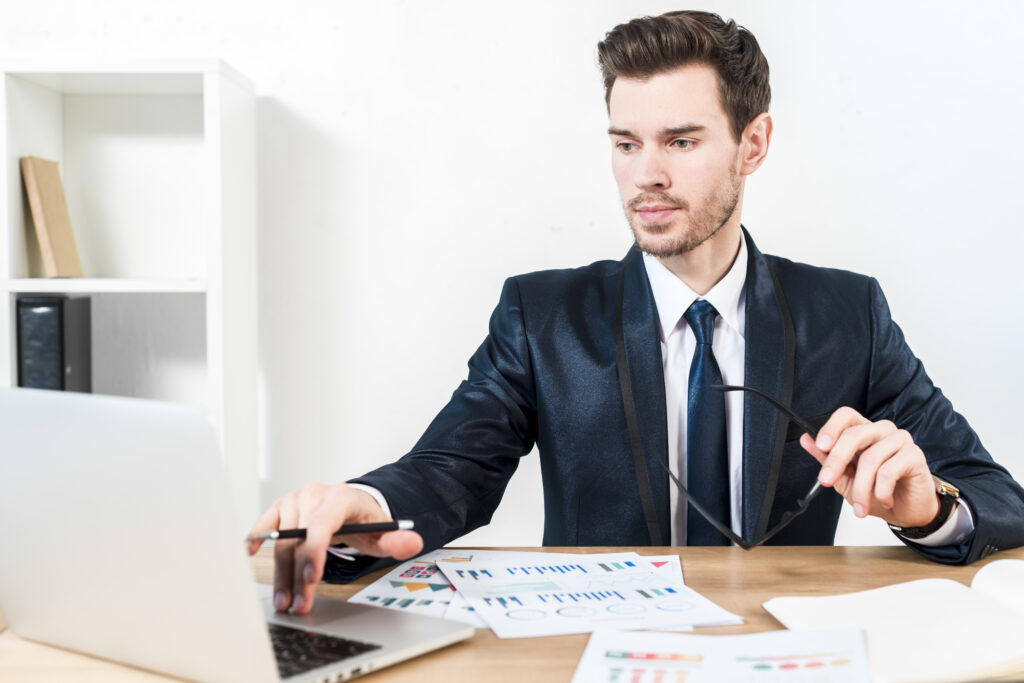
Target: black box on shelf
pixel 54 343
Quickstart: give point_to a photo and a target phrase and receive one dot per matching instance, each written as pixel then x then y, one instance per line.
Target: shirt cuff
pixel 959 526
pixel 377 496
pixel 346 552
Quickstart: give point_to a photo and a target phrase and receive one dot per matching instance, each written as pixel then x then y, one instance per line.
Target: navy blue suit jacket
pixel 546 375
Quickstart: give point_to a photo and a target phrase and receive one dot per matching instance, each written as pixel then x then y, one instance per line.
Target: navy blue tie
pixel 707 455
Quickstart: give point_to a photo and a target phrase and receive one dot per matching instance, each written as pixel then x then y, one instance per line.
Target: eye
pixel 625 146
pixel 682 143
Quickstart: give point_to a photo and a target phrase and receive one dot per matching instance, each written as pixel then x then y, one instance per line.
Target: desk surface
pixel 737 580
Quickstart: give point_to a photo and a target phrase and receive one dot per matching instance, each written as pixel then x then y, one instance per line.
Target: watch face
pixel 944 488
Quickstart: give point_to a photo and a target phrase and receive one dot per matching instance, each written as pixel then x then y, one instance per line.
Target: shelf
pixel 158 162
pixel 116 76
pixel 106 285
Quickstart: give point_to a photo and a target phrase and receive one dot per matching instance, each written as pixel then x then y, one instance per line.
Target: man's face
pixel 674 158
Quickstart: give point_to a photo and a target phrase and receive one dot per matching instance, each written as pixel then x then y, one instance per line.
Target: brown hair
pixel 648 46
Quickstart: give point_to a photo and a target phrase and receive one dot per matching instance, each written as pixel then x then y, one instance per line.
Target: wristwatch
pixel 948 496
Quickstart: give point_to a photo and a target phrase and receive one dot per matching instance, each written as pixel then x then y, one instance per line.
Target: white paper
pixel 832 656
pixel 460 610
pixel 521 595
pixel 1003 581
pixel 413 586
pixel 924 630
pixel 418 586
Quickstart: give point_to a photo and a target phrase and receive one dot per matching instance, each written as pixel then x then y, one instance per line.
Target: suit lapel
pixel 647 379
pixel 763 360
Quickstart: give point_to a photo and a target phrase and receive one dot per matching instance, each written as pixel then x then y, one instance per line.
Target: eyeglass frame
pixel 636 445
pixel 787 519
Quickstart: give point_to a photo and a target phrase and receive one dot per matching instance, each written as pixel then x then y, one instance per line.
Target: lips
pixel 655 213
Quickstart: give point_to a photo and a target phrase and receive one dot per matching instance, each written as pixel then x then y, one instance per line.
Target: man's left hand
pixel 876 467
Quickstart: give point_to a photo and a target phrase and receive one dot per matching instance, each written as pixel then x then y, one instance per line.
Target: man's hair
pixel 648 46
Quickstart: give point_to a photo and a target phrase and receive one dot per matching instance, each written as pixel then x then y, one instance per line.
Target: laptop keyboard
pixel 298 651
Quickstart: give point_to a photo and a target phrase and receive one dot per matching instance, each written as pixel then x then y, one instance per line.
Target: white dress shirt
pixel 672 297
pixel 678 343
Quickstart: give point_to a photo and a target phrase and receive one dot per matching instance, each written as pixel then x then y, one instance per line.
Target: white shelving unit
pixel 158 163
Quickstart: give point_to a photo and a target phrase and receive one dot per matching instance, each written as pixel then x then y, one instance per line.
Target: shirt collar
pixel 673 297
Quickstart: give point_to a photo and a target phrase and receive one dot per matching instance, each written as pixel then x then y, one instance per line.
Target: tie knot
pixel 701 317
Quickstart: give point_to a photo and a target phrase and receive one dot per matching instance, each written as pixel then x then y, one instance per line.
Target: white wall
pixel 413 155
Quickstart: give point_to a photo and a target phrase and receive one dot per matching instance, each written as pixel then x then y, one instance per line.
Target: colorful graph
pixel 456 558
pixel 402 603
pixel 543 570
pixel 654 656
pixel 473 574
pixel 617 675
pixel 796 662
pixel 413 586
pixel 590 596
pixel 420 571
pixel 613 566
pixel 503 602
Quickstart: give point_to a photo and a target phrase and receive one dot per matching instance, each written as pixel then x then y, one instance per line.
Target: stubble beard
pixel 703 223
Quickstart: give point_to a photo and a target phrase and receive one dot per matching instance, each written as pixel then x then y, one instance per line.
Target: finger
pixel 808 445
pixel 900 464
pixel 827 477
pixel 401 545
pixel 312 550
pixel 851 442
pixel 840 420
pixel 284 555
pixel 868 464
pixel 268 521
pixel 891 473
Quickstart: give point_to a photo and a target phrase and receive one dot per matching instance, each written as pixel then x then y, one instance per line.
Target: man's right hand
pixel 322 510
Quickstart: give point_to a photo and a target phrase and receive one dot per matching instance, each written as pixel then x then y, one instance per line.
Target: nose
pixel 652 173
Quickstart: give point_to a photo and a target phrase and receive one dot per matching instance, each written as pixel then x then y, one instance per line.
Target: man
pixel 609 368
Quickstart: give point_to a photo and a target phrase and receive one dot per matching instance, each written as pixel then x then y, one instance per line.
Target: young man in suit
pixel 608 368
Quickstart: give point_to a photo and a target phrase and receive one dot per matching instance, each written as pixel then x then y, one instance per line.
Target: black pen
pixel 375 527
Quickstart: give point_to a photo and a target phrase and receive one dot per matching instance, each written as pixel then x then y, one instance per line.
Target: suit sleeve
pixel 454 477
pixel 899 390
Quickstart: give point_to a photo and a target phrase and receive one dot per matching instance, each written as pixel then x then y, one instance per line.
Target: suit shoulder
pixel 799 277
pixel 551 284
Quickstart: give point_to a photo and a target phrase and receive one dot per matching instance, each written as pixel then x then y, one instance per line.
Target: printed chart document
pixel 828 656
pixel 931 629
pixel 520 596
pixel 419 586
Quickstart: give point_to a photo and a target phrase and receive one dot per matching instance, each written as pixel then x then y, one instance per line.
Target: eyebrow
pixel 665 132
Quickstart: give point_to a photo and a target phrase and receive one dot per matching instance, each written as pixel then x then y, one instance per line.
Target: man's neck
pixel 702 268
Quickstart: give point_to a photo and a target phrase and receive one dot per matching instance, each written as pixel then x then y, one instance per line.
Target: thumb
pixel 400 545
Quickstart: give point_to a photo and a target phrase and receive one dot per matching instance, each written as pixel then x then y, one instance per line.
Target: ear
pixel 754 143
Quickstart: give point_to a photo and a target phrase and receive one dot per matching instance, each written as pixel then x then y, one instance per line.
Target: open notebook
pixel 930 629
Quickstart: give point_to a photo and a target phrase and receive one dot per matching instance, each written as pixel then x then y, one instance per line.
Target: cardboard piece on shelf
pixel 50 215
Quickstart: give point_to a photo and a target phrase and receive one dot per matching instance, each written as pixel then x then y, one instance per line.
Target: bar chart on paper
pixel 418 585
pixel 522 599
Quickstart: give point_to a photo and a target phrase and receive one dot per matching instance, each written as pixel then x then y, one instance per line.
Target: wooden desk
pixel 737 580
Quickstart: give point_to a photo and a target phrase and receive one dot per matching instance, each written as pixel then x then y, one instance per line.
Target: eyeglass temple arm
pixel 729 533
pixel 721 528
pixel 788 517
pixel 781 408
pixel 807 427
pixel 785 410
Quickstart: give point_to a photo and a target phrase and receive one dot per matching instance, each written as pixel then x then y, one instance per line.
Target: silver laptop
pixel 118 539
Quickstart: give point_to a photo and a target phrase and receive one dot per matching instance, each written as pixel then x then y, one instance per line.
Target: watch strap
pixel 948 497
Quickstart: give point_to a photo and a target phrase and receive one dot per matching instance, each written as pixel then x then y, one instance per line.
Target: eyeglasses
pixel 787 518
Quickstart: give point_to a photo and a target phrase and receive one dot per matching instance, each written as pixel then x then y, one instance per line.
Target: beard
pixel 688 231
